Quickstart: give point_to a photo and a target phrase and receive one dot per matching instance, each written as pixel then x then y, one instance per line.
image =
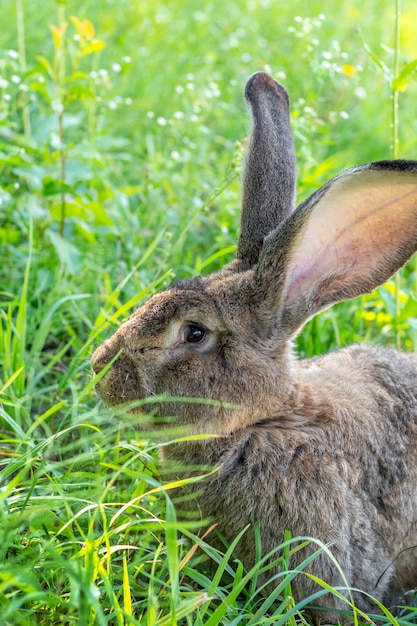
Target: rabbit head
pixel 223 342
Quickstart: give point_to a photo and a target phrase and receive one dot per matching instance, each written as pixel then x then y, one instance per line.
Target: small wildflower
pixel 3 83
pixel 175 155
pixel 128 101
pixel 15 79
pixel 344 115
pixel 112 105
pixel 7 97
pixel 349 70
pixel 161 121
pixel 116 67
pixel 179 89
pixel 178 115
pixel 12 54
pixel 150 114
pixel 126 60
pixel 360 93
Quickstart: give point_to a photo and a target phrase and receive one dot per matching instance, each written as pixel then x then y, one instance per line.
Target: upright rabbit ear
pixel 346 239
pixel 268 196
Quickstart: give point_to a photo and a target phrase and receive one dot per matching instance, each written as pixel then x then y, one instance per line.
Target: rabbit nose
pixel 103 354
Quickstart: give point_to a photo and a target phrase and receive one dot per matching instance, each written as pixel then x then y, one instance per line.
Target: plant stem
pixel 61 129
pixel 394 146
pixel 63 160
pixel 20 19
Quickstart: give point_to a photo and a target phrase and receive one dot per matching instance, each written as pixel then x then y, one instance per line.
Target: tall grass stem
pixel 20 21
pixel 394 146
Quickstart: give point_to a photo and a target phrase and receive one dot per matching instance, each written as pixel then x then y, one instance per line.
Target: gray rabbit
pixel 324 447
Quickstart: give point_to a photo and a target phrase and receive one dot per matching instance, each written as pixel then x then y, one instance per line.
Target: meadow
pixel 122 138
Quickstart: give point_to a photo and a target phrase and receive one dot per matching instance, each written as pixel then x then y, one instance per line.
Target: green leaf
pixel 384 68
pixel 68 254
pixel 401 81
pixel 409 310
pixel 79 92
pixel 53 186
pixel 44 63
pixel 9 235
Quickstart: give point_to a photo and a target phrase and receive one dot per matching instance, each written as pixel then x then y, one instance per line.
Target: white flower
pixel 360 93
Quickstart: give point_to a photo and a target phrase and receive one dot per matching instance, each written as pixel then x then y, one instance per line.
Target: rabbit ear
pixel 268 195
pixel 346 239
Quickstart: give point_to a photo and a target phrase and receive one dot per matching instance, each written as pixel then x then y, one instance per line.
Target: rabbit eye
pixel 194 333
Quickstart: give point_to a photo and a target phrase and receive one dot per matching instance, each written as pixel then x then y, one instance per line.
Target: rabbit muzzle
pixel 121 382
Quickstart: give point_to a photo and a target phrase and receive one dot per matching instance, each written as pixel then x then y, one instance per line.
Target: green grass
pixel 120 156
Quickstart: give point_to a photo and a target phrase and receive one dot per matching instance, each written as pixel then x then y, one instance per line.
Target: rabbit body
pixel 347 476
pixel 324 447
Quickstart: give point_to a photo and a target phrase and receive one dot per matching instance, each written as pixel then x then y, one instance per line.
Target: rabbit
pixel 323 447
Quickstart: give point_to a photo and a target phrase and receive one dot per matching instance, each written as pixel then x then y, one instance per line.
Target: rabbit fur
pixel 323 447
